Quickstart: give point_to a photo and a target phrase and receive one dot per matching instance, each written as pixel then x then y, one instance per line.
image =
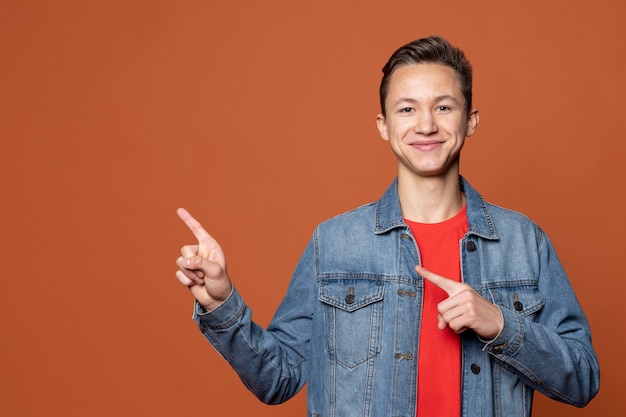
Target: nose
pixel 425 123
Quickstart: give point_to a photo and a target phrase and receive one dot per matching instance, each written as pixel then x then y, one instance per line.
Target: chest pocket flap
pixel 526 300
pixel 351 294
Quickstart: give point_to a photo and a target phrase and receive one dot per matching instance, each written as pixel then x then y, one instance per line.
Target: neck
pixel 430 199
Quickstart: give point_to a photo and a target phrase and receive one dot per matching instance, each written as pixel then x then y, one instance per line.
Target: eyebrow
pixel 437 99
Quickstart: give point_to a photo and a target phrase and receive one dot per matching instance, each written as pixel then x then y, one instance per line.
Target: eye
pixel 442 108
pixel 406 110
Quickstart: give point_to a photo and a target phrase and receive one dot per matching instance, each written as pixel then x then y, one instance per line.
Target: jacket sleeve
pixel 270 362
pixel 552 353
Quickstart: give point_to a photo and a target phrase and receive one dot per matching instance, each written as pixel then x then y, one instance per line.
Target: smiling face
pixel 426 120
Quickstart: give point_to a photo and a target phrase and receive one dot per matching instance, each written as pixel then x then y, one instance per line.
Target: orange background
pixel 258 116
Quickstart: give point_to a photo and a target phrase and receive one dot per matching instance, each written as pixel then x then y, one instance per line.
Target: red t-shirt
pixel 439 357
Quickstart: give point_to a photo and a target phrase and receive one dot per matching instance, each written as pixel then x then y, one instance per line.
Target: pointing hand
pixel 464 308
pixel 202 267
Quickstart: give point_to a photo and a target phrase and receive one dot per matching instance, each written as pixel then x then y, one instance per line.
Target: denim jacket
pixel 349 324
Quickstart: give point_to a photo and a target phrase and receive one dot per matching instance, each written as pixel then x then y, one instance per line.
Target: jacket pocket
pixel 353 318
pixel 522 297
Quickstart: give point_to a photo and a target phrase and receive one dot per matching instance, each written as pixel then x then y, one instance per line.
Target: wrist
pixel 216 303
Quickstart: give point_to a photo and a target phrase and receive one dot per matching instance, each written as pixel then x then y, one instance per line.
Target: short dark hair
pixel 435 50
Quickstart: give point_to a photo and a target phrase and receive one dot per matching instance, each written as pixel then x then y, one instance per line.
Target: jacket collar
pixel 389 213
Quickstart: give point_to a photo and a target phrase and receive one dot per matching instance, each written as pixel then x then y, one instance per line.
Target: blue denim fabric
pixel 349 324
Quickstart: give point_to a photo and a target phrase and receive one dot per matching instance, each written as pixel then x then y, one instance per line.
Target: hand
pixel 202 267
pixel 464 308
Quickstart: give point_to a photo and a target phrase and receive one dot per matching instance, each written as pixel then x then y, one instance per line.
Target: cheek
pixel 456 129
pixel 399 130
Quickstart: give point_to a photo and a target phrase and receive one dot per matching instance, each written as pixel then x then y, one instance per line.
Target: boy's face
pixel 426 122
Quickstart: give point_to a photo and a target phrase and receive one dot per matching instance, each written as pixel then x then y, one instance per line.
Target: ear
pixel 472 122
pixel 381 124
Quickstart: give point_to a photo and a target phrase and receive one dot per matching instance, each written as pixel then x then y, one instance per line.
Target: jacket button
pixel 350 296
pixel 500 348
pixel 475 368
pixel 471 246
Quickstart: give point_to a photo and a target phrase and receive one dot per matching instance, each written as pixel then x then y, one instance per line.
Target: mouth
pixel 425 146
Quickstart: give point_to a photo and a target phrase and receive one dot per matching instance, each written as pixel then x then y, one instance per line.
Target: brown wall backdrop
pixel 258 116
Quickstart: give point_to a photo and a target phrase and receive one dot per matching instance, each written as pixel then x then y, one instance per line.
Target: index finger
pixel 446 284
pixel 204 239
